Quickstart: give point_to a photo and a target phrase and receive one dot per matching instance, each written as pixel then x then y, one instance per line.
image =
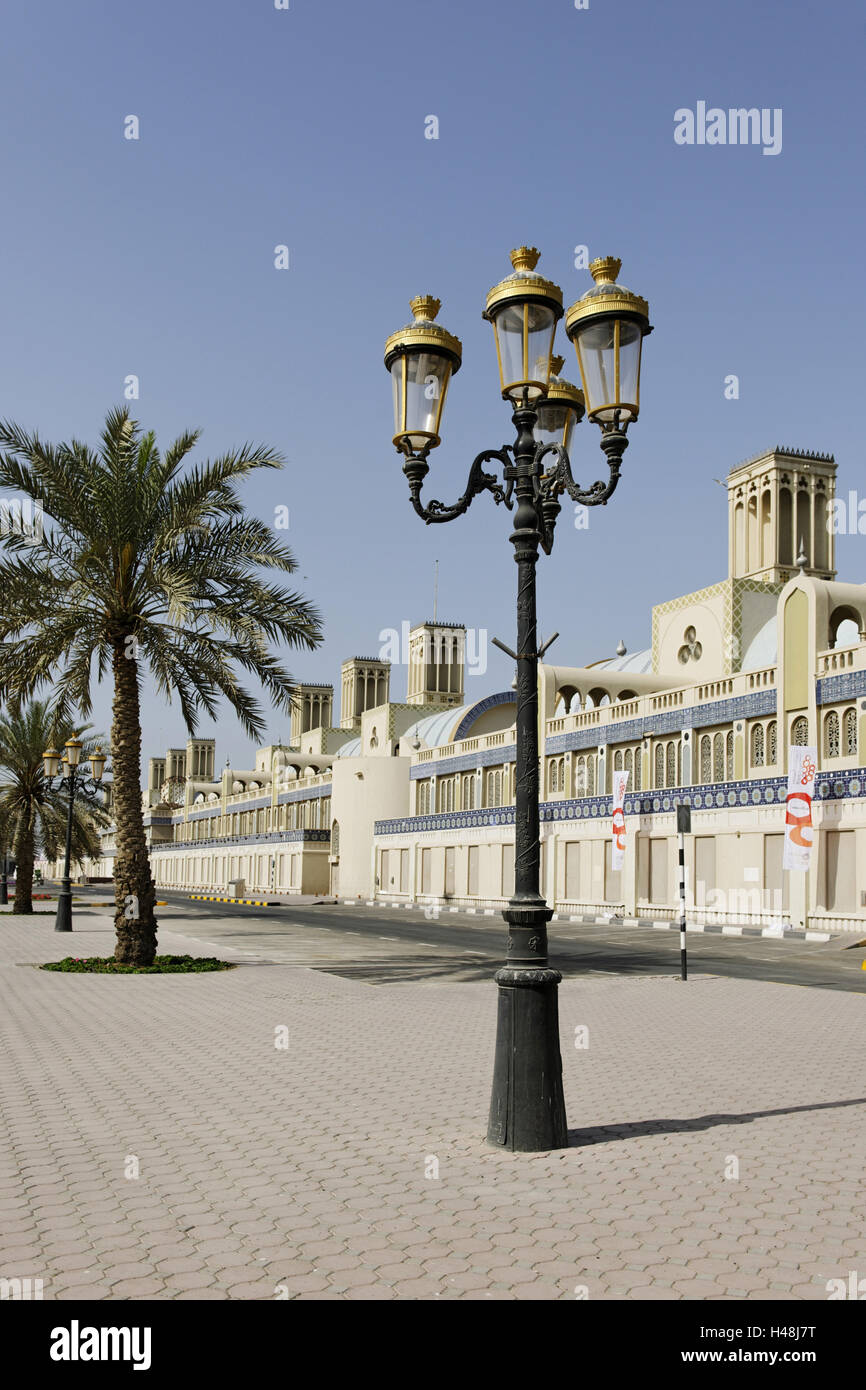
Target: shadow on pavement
pixel 605 1134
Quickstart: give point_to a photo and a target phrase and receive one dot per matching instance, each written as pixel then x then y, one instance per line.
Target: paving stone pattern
pixel 352 1164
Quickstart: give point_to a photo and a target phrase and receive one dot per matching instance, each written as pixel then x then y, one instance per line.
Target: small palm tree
pixel 33 814
pixel 140 564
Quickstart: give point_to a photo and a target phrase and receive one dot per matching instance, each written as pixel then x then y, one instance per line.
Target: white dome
pixel 763 650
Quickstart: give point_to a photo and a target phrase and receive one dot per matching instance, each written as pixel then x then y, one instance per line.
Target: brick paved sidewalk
pixel 311 1170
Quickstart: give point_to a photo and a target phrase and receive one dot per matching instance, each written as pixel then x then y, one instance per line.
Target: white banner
pixel 802 766
pixel 620 782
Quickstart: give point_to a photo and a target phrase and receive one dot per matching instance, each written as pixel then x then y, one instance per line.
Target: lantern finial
pixel 525 257
pixel 605 269
pixel 425 307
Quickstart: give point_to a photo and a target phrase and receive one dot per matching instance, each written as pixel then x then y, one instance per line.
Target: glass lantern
pixel 524 310
pixel 422 358
pixel 51 762
pixel 607 326
pixel 560 410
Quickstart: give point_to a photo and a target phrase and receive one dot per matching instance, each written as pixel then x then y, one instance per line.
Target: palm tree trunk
pixel 134 920
pixel 23 901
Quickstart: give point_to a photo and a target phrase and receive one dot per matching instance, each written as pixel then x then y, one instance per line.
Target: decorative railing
pixel 757 680
pixel 841 659
pixel 715 690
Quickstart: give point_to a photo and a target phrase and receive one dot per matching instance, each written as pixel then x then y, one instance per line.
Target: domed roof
pixel 639 662
pixel 437 729
pixel 350 749
pixel 763 650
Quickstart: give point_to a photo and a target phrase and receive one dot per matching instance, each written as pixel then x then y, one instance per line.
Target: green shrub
pixel 162 965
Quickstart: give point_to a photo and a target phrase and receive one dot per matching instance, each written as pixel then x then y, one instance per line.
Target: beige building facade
pixel 414 802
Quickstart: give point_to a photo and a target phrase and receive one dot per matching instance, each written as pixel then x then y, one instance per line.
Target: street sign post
pixel 684 828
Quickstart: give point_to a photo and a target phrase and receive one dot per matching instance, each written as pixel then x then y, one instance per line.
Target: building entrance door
pixel 449 871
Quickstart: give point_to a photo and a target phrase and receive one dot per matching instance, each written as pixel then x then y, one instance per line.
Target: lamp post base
pixel 63 921
pixel 4 890
pixel 527 1107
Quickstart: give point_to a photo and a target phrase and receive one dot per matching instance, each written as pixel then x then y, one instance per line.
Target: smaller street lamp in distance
pixel 51 761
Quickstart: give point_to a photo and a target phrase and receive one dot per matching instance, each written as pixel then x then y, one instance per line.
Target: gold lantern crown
pixel 524 283
pixel 605 296
pixel 423 334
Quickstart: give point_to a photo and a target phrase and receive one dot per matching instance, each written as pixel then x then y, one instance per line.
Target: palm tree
pixel 139 564
pixel 5 850
pixel 32 813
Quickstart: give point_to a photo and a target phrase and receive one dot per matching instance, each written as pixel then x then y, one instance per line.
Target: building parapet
pixel 710 796
pixel 263 837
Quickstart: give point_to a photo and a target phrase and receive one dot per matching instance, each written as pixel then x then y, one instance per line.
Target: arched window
pixel 850 733
pixel 627 763
pixel 590 775
pixel 659 765
pixel 706 760
pixel 831 735
pixel 758 746
pixel 671 768
pixel 553 777
pixel 637 767
pixel 718 758
pixel 335 839
pixel 468 792
pixel 800 731
pixel 617 760
pixel 772 743
pixel 729 757
pixel 494 789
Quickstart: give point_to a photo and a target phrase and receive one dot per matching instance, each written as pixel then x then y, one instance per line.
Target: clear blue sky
pixel 306 127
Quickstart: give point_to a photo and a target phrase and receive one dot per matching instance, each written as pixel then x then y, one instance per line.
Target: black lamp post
pixel 4 881
pixel 71 759
pixel 607 326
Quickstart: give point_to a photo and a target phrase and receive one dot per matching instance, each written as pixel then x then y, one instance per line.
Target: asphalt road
pixel 392 945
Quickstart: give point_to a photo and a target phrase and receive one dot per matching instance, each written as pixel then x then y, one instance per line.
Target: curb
pixel 241 902
pixel 708 928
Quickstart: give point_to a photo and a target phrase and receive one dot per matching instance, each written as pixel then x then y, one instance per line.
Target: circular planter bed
pixel 162 965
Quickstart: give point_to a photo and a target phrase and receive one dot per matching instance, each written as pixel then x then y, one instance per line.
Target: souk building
pixel 413 801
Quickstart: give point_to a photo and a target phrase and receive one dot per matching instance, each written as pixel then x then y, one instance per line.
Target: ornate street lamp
pixel 51 765
pixel 607 326
pixel 560 410
pixel 527 1109
pixel 421 358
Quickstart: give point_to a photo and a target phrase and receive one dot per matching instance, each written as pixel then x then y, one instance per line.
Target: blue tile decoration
pixel 505 697
pixel 304 794
pixel 671 721
pixel 446 820
pixel 705 797
pixel 227 841
pixel 846 686
pixel 466 762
